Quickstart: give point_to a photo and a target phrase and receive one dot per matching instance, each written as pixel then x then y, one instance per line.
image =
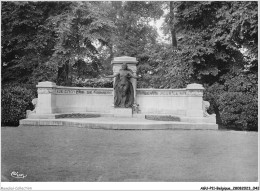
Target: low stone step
pixel 119 124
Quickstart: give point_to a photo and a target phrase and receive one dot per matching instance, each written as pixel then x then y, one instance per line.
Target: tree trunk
pixel 111 52
pixel 172 28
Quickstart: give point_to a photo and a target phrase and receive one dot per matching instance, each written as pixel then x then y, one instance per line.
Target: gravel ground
pixel 79 154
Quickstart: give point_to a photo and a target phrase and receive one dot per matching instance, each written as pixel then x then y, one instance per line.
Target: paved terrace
pixel 118 123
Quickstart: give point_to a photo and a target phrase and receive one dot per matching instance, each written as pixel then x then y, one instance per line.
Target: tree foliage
pixel 78 31
pixel 220 47
pixel 133 32
pixel 15 99
pixel 26 43
pixel 217 47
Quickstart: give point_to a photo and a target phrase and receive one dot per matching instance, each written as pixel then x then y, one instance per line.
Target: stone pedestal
pixel 46 98
pixel 123 112
pixel 194 103
pixel 131 64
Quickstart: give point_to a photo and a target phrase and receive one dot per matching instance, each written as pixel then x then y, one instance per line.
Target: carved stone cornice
pixel 194 93
pixel 46 90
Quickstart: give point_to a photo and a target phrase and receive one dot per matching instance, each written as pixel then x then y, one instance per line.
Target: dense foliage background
pixel 71 43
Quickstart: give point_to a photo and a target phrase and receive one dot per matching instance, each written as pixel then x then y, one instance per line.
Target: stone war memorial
pixel 122 107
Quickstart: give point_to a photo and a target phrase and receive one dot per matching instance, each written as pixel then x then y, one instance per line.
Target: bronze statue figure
pixel 123 88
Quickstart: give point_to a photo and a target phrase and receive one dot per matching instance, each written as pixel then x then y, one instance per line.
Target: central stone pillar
pixel 131 64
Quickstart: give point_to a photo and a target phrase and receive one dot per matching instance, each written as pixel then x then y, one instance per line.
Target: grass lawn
pixel 80 154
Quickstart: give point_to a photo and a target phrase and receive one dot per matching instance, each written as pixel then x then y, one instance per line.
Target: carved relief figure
pixel 205 106
pixel 123 88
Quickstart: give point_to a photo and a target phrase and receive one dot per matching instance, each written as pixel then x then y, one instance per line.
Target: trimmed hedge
pixel 16 99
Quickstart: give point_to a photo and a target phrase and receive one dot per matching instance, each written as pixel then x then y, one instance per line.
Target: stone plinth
pixel 123 112
pixel 194 103
pixel 46 98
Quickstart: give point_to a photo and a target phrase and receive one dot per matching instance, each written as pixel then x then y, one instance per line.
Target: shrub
pixel 93 82
pixel 16 99
pixel 239 110
pixel 235 109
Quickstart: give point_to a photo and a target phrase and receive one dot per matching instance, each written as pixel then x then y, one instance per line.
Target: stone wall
pixel 57 99
pixel 184 102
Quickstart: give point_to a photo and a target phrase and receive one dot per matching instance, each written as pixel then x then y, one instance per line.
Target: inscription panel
pixel 162 92
pixel 65 91
pixel 110 92
pixel 84 91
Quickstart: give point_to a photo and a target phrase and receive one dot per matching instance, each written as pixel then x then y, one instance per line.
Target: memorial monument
pixel 185 106
pixel 124 85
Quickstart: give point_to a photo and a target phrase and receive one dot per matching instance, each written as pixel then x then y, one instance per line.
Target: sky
pixel 158 24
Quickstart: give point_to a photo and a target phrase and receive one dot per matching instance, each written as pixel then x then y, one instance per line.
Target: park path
pixel 56 153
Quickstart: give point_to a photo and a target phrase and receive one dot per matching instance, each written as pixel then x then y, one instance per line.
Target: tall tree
pixel 217 47
pixel 26 41
pixel 134 32
pixel 79 31
pixel 218 43
pixel 172 27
